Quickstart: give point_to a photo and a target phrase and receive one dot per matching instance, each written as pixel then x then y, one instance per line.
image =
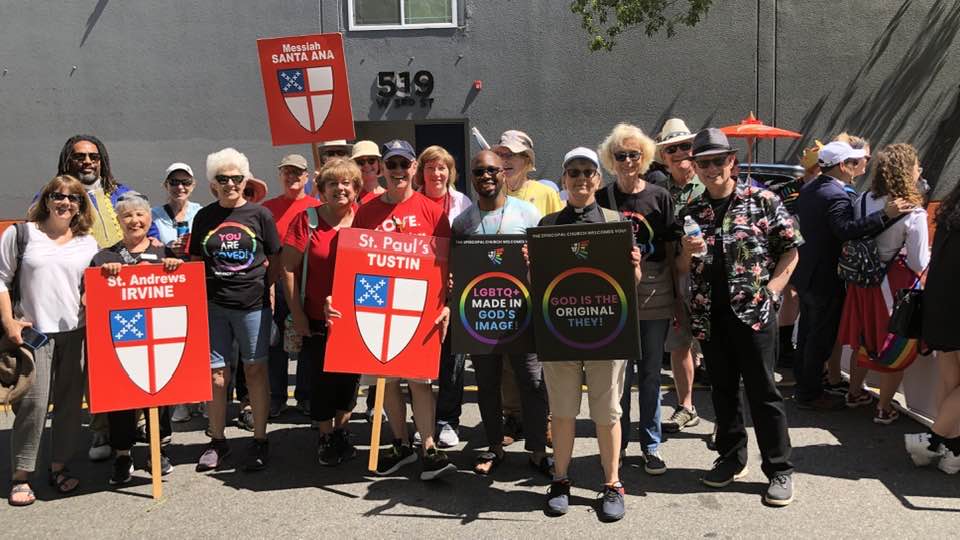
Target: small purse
pixel 906 319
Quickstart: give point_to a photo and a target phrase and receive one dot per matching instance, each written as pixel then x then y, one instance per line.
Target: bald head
pixel 489 182
pixel 485 155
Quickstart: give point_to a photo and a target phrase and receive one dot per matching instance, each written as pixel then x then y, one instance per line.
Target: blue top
pixel 166 227
pixel 514 217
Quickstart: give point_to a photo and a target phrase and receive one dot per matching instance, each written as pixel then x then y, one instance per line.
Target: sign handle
pixel 316 156
pixel 377 424
pixel 155 453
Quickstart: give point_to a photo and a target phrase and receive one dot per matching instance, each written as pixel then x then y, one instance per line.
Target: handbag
pixel 907 317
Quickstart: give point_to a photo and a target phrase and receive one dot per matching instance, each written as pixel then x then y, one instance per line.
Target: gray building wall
pixel 167 81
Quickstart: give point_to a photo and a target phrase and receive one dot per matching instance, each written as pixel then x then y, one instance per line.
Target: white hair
pixel 226 159
pixel 130 200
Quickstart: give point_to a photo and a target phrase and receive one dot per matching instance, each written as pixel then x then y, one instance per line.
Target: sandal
pixel 60 479
pixel 487 462
pixel 20 487
pixel 545 466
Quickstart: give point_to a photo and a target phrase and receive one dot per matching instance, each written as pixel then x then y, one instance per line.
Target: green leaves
pixel 604 20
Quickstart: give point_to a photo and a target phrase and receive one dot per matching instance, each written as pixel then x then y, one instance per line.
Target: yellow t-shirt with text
pixel 543 197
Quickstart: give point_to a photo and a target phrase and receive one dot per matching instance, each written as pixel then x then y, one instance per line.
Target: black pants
pixel 819 325
pixel 123 427
pixel 533 397
pixel 330 392
pixel 450 386
pixel 735 351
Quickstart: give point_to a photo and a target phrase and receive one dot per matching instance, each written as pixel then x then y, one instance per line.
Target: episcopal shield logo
pixel 149 343
pixel 388 312
pixel 308 93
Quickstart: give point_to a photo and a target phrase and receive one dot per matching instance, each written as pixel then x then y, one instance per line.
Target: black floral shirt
pixel 756 232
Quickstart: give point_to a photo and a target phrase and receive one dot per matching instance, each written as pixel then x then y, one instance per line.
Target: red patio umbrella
pixel 752 129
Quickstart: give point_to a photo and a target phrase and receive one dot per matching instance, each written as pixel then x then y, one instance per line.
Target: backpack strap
pixel 23 236
pixel 313 220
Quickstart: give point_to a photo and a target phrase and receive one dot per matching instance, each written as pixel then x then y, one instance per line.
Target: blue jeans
pixel 653 334
pixel 249 329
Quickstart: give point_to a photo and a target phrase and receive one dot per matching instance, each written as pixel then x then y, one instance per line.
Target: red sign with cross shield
pixel 389 288
pixel 147 338
pixel 306 87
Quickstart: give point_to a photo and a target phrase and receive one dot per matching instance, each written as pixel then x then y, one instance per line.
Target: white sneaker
pixel 448 437
pixel 417 439
pixel 949 463
pixel 918 446
pixel 181 413
pixel 100 447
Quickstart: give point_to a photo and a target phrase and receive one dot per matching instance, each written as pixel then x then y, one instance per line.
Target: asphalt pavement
pixel 853 480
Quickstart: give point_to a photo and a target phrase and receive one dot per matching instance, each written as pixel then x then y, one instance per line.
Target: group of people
pixel 723 295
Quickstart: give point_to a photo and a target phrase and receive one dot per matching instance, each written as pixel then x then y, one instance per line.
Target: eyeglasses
pixel 81 157
pixel 129 196
pixel 335 153
pixel 366 161
pixel 622 156
pixel 398 164
pixel 683 147
pixel 187 182
pixel 483 171
pixel 575 173
pixel 222 179
pixel 716 162
pixel 57 196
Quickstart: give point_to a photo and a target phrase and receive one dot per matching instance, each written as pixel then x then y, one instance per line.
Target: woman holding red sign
pixel 134 215
pixel 309 255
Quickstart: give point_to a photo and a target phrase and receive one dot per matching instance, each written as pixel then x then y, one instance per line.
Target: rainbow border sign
pixel 492 308
pixel 583 287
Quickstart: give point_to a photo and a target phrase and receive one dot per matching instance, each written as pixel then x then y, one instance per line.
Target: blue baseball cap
pixel 398 147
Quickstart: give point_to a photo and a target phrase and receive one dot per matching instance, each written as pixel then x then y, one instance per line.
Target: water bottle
pixel 691 229
pixel 183 228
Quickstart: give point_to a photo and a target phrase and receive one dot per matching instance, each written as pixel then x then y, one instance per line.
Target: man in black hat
pixel 738 266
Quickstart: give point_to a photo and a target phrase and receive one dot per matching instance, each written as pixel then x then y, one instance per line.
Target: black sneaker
pixel 394 458
pixel 612 507
pixel 723 473
pixel 780 491
pixel 165 466
pixel 558 498
pixel 258 454
pixel 345 449
pixel 435 464
pixel 122 469
pixel 327 451
pixel 654 464
pixel 838 389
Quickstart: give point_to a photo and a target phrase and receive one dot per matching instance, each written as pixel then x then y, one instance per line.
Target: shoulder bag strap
pixel 313 219
pixel 612 197
pixel 23 236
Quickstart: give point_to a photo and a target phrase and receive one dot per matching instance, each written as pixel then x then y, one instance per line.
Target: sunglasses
pixel 57 196
pixel 223 179
pixel 683 147
pixel 180 182
pixel 335 153
pixel 398 164
pixel 716 162
pixel 483 171
pixel 366 161
pixel 575 173
pixel 80 157
pixel 622 156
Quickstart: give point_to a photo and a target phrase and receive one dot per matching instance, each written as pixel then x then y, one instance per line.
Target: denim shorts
pixel 249 329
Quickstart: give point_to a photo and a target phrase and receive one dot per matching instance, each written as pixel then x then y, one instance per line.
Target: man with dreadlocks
pixel 85 158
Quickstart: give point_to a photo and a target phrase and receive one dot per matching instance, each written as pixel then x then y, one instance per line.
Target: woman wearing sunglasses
pixel 174 219
pixel 366 154
pixel 235 239
pixel 627 153
pixel 46 298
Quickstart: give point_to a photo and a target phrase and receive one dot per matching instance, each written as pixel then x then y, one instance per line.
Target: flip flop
pixel 18 488
pixel 487 458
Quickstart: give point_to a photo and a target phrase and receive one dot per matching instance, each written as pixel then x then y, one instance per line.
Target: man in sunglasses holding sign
pixel 738 266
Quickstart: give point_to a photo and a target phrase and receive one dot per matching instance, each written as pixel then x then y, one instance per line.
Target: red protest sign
pixel 306 87
pixel 390 288
pixel 147 338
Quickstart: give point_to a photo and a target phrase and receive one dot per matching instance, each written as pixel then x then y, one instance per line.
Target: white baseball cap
pixel 581 152
pixel 178 167
pixel 836 152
